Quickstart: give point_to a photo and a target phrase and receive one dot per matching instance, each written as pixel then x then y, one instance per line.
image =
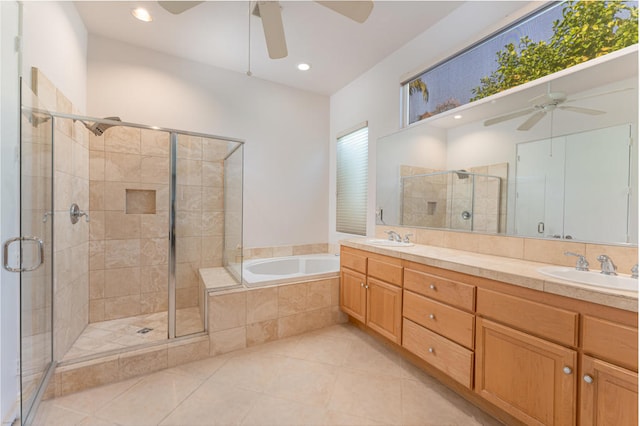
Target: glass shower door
pixel 36 260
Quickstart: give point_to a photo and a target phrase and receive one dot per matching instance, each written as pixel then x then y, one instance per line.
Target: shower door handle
pixel 5 254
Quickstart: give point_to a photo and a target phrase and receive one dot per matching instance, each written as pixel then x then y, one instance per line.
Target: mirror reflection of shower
pixel 452 199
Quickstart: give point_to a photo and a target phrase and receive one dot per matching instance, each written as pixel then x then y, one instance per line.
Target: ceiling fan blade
pixel 273 28
pixel 177 7
pixel 532 121
pixel 358 11
pixel 582 110
pixel 506 117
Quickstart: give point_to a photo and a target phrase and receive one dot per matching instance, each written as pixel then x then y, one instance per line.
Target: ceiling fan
pixel 269 12
pixel 543 104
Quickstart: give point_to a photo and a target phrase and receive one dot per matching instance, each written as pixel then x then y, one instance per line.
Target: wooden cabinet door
pixel 384 309
pixel 609 394
pixel 532 379
pixel 353 294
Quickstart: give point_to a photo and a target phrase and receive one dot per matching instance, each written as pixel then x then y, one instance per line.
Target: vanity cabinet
pixel 371 291
pixel 609 378
pixel 439 323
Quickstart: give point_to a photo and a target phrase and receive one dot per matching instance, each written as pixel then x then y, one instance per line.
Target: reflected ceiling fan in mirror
pixel 543 104
pixel 271 16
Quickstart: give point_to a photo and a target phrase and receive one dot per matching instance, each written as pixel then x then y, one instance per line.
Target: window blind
pixel 351 181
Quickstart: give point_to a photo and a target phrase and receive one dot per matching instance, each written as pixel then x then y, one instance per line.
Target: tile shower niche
pixel 140 201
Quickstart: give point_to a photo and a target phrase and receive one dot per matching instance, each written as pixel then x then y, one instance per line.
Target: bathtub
pixel 279 270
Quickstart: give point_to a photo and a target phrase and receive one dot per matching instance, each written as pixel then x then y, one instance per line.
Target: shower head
pixel 462 174
pixel 99 128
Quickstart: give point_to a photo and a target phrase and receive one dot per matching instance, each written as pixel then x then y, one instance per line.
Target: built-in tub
pixel 279 270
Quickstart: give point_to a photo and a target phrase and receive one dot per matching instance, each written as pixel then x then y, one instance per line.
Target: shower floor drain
pixel 144 330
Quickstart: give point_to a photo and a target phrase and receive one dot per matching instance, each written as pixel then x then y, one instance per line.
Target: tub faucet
pixel 394 236
pixel 582 264
pixel 607 265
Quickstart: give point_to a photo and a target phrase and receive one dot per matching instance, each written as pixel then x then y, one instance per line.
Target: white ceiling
pixel 216 33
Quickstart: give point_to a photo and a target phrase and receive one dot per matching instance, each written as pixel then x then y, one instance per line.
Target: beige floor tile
pixel 328 348
pixel 94 421
pixel 51 414
pixel 92 400
pixel 202 369
pixel 270 411
pixel 213 404
pixel 149 400
pixel 253 371
pixel 304 381
pixel 370 356
pixel 336 418
pixel 362 394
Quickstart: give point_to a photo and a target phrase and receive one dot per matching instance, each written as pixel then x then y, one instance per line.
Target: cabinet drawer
pixel 610 341
pixel 542 320
pixel 449 322
pixel 353 260
pixel 443 354
pixel 385 271
pixel 447 291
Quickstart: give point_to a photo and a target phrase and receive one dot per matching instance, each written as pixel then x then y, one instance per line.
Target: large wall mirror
pixel 554 158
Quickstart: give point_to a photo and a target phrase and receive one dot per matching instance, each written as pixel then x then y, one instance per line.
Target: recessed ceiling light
pixel 142 14
pixel 457 117
pixel 304 67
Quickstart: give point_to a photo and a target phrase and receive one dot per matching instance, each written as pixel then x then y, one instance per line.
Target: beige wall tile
pixel 189 198
pixel 292 299
pixel 282 251
pixel 212 199
pixel 155 225
pixel 461 241
pixel 429 237
pixel 188 249
pixel 319 294
pixel 154 278
pixel 187 274
pixel 96 143
pixel 96 226
pixel 154 302
pixel 96 195
pixel 122 167
pixel 552 251
pixel 211 251
pixel 122 139
pixel 227 311
pixel 187 297
pixel 501 246
pixel 140 201
pixel 44 89
pixel 153 142
pixel 262 332
pixel 141 362
pixel 212 174
pixel 188 351
pixel 188 224
pixel 190 147
pixel 63 154
pixel 96 255
pixel 623 257
pixel 154 169
pixel 262 304
pixel 121 226
pixel 90 375
pixel 120 307
pixel 115 196
pixel 154 251
pixel 121 282
pixel 214 149
pixel 121 253
pixel 213 223
pixel 292 325
pixel 189 172
pixel 96 284
pixel 227 340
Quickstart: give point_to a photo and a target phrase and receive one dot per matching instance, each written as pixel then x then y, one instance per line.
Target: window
pixel 551 39
pixel 351 180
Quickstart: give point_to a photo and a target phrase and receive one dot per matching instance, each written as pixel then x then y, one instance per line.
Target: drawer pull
pixel 588 379
pixel 567 370
pixel 431 316
pixel 431 350
pixel 432 286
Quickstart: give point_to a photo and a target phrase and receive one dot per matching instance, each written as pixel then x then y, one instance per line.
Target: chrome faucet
pixel 634 271
pixel 607 265
pixel 582 264
pixel 406 238
pixel 394 236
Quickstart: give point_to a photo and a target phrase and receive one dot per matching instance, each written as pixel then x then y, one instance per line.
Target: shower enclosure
pixel 454 199
pixel 117 220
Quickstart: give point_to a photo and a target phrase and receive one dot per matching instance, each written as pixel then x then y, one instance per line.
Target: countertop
pixel 518 272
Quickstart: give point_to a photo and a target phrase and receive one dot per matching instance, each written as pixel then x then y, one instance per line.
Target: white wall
pixel 55 40
pixel 375 95
pixel 9 220
pixel 286 156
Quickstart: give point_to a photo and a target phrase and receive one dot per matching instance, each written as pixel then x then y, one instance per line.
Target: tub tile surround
pixel 511 259
pixel 245 317
pixel 282 251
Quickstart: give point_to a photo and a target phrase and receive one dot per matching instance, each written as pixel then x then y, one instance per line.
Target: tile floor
pixel 334 376
pixel 121 333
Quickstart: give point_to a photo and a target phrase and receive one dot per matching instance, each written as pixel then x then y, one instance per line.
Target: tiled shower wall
pixel 129 207
pixel 71 242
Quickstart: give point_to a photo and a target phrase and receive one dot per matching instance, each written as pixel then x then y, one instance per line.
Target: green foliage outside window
pixel 587 30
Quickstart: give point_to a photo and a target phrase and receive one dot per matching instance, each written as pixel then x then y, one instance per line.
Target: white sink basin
pixel 387 243
pixel 594 278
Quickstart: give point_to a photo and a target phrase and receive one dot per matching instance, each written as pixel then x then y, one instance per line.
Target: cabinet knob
pixel 431 350
pixel 588 379
pixel 432 286
pixel 431 316
pixel 366 286
pixel 567 370
pixel 361 284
